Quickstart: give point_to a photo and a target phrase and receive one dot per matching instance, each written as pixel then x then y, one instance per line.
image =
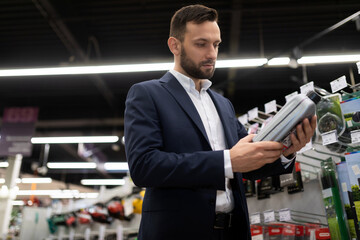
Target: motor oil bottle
pixel 285 121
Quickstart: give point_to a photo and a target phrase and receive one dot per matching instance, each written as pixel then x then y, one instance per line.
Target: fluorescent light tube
pixel 36 180
pixel 279 61
pixel 2 180
pixel 88 139
pixel 71 165
pixel 329 59
pixel 103 182
pixel 87 69
pixel 116 166
pixel 38 192
pixel 4 164
pixel 239 63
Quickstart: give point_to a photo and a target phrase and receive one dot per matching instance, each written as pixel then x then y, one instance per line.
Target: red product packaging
pixel 288 232
pixel 275 231
pixel 299 232
pixel 256 230
pixel 322 234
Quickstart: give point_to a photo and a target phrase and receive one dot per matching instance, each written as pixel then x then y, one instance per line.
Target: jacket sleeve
pixel 150 165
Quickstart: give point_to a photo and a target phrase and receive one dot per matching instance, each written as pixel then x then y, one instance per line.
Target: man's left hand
pixel 304 133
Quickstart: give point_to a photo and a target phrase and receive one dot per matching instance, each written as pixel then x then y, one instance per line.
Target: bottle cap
pixel 313 96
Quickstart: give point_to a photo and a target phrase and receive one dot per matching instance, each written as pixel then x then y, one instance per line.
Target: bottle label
pixel 287 140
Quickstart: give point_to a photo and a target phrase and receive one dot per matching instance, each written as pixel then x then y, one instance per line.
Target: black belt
pixel 223 220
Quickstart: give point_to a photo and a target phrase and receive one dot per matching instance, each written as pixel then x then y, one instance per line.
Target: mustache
pixel 208 62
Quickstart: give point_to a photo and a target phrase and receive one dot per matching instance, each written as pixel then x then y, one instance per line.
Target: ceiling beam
pixel 72 45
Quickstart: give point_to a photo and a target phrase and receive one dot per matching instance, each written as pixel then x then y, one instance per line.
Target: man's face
pixel 199 49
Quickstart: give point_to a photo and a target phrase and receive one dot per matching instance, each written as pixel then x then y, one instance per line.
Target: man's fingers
pixel 248 138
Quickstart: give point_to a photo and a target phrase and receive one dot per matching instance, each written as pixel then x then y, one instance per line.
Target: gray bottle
pixel 284 122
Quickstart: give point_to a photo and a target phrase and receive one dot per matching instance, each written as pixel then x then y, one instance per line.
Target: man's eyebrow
pixel 206 40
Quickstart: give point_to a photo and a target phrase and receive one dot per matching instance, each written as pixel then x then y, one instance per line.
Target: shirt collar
pixel 187 83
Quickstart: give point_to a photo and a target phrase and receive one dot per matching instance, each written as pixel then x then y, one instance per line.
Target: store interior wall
pixel 309 201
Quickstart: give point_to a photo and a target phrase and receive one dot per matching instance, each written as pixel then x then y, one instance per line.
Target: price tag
pixel 344 187
pixel 255 218
pixel 285 215
pixel 338 84
pixel 269 216
pixel 304 89
pixel 243 119
pixel 329 137
pixel 270 107
pixel 355 136
pixel 290 96
pixel 253 113
pixel 356 169
pixel 358 65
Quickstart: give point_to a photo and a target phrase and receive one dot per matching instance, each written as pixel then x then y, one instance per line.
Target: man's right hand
pixel 247 156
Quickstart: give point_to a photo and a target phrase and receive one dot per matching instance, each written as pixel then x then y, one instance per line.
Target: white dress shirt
pixel 215 132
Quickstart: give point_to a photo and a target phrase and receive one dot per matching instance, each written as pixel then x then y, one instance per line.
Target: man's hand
pixel 247 155
pixel 304 133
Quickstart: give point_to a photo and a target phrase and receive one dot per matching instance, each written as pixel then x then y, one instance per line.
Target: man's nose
pixel 212 52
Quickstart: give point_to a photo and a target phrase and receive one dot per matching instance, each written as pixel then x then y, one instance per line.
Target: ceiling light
pixel 122 166
pixel 329 59
pixel 38 192
pixel 36 180
pixel 2 180
pixel 238 63
pixel 279 61
pixel 88 139
pixel 86 69
pixel 71 165
pixel 4 164
pixel 103 182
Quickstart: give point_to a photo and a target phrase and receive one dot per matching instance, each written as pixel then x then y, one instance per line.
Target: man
pixel 185 145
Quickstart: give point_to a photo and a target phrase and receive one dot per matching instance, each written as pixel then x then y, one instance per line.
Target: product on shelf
pixel 99 213
pixel 84 217
pixel 256 232
pixel 284 122
pixel 330 118
pixel 348 199
pixel 116 209
pixel 289 232
pixel 270 185
pixel 350 107
pixel 333 205
pixel 298 186
pixel 249 186
pixel 260 194
pixel 299 232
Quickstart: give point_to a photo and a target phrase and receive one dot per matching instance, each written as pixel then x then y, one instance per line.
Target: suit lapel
pixel 224 117
pixel 180 95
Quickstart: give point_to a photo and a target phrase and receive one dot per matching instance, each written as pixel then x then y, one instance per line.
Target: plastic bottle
pixel 284 122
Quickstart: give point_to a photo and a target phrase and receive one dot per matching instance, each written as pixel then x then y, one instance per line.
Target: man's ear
pixel 174 46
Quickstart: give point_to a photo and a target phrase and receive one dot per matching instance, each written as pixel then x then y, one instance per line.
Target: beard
pixel 194 70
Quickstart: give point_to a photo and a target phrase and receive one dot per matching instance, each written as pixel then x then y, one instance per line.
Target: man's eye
pixel 200 44
pixel 216 45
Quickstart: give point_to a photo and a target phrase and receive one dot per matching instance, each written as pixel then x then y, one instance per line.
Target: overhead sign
pixel 17 128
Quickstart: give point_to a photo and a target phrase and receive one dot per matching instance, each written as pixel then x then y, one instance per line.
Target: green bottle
pixel 333 205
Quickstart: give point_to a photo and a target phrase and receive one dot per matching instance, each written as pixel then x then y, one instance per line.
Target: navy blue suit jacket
pixel 169 153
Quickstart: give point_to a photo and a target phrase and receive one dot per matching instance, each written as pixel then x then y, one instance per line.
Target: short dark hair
pixel 192 13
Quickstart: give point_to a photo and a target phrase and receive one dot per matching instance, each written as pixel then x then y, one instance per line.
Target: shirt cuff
pixel 286 162
pixel 227 165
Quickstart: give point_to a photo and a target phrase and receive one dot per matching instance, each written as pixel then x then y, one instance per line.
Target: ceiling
pixel 41 33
